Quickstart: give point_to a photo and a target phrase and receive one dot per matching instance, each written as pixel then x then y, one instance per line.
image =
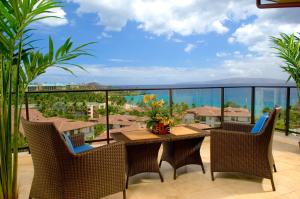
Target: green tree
pixel 266 110
pixel 180 108
pixel 99 129
pixel 119 100
pixel 20 64
pixel 231 104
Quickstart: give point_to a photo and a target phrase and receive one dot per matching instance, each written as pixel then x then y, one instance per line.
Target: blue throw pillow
pixel 82 148
pixel 259 125
pixel 69 142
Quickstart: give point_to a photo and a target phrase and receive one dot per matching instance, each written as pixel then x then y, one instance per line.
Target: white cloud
pixel 177 40
pixel 189 48
pixel 149 37
pixel 235 54
pixel 231 40
pixel 248 67
pixel 168 17
pixel 256 35
pixel 104 35
pixel 260 61
pixel 141 75
pixel 222 54
pixel 120 60
pixel 200 41
pixel 113 14
pixel 59 20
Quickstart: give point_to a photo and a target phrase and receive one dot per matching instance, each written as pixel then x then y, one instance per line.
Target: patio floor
pixel 192 183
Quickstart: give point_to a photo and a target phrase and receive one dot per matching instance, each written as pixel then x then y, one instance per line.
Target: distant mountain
pixel 219 83
pixel 93 85
pixel 245 82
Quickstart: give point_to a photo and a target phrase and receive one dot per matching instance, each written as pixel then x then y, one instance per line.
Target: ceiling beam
pixel 277 5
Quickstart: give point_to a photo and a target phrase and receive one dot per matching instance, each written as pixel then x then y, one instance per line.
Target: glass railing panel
pixel 237 105
pixel 129 110
pixel 294 112
pixel 197 107
pixel 266 99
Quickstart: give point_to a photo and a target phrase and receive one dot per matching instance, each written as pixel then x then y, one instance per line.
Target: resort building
pixel 93 108
pixel 133 107
pixel 51 87
pixel 63 125
pixel 211 116
pixel 121 121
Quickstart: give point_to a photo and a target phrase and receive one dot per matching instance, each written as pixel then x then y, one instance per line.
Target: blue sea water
pixel 264 97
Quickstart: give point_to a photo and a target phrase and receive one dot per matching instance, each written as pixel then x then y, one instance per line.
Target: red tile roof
pixel 205 111
pixel 62 124
pixel 215 111
pixel 126 120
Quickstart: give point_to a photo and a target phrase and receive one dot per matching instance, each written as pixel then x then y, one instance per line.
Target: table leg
pixel 142 158
pixel 183 152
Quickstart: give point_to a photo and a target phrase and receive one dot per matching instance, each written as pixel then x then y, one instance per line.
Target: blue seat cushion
pixel 68 142
pixel 259 125
pixel 82 148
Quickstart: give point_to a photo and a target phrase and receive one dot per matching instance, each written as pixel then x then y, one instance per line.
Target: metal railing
pixel 170 93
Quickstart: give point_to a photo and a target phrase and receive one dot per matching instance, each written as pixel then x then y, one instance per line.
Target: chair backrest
pixel 269 128
pixel 271 122
pixel 48 151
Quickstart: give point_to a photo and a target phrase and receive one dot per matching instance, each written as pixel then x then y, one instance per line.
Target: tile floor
pixel 191 183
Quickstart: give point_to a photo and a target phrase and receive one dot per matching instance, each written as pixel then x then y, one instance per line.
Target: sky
pixel 140 42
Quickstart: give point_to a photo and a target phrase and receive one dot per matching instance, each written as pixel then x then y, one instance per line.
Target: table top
pixel 121 136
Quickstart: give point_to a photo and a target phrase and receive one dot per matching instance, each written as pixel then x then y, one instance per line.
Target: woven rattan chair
pixel 235 149
pixel 60 174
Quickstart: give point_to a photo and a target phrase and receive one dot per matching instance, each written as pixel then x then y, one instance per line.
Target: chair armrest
pixel 77 140
pixel 234 126
pixel 99 171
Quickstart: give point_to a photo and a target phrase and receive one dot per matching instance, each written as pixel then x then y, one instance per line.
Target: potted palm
pixel 288 49
pixel 20 63
pixel 159 118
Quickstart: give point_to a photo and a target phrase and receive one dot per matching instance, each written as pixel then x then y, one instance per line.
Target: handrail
pixel 156 89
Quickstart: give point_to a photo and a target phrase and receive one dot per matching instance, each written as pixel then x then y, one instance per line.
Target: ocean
pixel 264 97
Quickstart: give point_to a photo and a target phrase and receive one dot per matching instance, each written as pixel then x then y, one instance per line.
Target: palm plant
pixel 20 64
pixel 288 49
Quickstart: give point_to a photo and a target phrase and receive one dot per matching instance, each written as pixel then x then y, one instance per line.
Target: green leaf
pixel 51 50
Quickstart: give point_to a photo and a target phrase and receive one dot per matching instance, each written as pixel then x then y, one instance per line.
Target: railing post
pixel 107 116
pixel 222 105
pixel 287 111
pixel 171 101
pixel 26 107
pixel 252 105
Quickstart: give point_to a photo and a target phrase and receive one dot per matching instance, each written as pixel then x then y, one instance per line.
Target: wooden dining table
pixel 181 147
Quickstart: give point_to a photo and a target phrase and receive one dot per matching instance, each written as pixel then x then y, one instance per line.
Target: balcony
pixel 192 183
pixel 207 113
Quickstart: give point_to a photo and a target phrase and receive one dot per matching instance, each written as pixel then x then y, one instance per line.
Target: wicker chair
pixel 235 149
pixel 59 174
